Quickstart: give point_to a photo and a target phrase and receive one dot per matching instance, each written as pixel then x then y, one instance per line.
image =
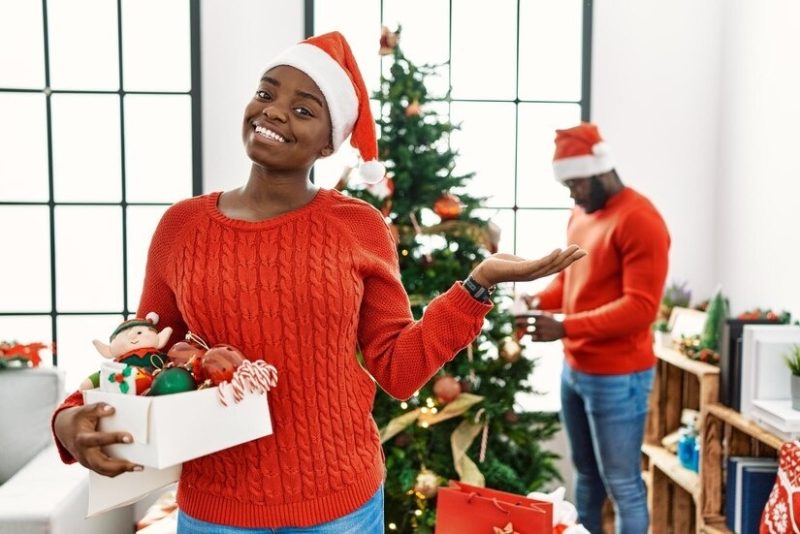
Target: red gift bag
pixel 465 509
pixel 782 513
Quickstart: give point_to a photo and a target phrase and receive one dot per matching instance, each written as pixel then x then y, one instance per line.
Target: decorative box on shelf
pixel 778 417
pixel 765 375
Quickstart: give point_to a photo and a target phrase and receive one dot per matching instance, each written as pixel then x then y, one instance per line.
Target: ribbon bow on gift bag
pixel 465 509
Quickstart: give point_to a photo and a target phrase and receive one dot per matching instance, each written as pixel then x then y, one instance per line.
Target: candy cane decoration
pixel 255 377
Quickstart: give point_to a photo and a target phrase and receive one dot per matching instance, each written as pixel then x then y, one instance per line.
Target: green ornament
pixel 172 380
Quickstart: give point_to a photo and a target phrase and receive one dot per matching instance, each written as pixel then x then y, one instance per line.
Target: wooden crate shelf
pixel 726 433
pixel 669 465
pixel 679 499
pixel 675 493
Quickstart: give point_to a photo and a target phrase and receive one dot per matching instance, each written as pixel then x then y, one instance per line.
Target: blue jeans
pixel 604 416
pixel 366 520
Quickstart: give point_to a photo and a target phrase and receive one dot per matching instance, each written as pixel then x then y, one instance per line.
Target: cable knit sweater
pixel 611 299
pixel 302 290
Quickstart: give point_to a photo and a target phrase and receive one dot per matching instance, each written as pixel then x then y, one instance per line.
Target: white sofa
pixel 38 493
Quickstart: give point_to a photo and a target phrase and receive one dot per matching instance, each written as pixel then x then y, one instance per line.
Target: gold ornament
pixel 510 350
pixel 427 484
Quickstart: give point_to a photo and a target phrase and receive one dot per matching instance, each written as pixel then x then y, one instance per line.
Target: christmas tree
pixel 464 424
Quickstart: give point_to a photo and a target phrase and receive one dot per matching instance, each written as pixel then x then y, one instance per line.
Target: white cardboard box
pixel 779 417
pixel 167 431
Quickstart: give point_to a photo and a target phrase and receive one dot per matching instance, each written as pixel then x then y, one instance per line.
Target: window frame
pixel 194 93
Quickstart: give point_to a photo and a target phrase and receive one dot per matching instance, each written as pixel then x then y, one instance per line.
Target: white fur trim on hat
pixel 336 86
pixel 584 166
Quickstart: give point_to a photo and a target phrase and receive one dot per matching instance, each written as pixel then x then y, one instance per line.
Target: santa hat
pixel 328 60
pixel 580 153
pixel 150 321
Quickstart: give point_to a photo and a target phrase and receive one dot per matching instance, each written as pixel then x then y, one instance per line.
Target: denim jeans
pixel 366 520
pixel 604 416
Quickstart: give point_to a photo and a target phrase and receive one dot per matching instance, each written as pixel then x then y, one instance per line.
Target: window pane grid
pixel 86 84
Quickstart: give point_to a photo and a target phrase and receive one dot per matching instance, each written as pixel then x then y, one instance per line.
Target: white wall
pixel 237 39
pixel 655 96
pixel 756 253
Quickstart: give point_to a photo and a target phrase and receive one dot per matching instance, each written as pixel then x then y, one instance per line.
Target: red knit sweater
pixel 302 291
pixel 611 297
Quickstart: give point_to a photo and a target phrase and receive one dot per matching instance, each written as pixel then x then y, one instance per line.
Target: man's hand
pixel 541 326
pixel 499 268
pixel 76 429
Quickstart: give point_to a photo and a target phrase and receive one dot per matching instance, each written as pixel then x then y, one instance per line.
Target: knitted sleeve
pixel 400 353
pixel 156 295
pixel 643 243
pixel 551 297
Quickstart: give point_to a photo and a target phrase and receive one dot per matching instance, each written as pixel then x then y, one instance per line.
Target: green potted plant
pixel 793 361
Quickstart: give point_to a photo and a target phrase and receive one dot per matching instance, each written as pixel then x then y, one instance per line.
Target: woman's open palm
pixel 499 268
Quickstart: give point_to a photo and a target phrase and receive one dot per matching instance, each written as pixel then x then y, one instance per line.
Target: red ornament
pixel 182 352
pixel 219 363
pixel 447 207
pixel 413 109
pixel 446 389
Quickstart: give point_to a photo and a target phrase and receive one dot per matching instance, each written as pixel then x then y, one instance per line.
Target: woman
pixel 299 276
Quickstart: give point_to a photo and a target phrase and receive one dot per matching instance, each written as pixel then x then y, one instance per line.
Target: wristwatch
pixel 477 291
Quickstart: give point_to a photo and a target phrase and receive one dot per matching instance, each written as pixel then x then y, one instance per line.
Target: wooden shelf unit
pixel 726 433
pixel 675 493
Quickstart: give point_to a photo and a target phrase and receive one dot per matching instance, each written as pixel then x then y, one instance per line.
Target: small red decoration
pixel 447 207
pixel 446 389
pixel 219 363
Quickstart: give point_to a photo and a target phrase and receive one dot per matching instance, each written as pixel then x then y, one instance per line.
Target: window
pixel 100 133
pixel 518 70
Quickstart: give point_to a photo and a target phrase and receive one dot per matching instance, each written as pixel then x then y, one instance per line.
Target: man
pixel 609 302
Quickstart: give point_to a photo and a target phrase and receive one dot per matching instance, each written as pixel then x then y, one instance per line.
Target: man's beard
pixel 597 196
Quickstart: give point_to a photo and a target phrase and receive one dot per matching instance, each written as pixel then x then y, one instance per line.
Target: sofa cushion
pixel 27 400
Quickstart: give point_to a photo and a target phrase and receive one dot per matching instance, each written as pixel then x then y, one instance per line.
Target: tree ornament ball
pixel 220 362
pixel 511 417
pixel 510 350
pixel 447 207
pixel 172 380
pixel 427 484
pixel 446 389
pixel 402 439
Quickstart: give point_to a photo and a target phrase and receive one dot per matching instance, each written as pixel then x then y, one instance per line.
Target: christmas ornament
pixel 447 207
pixel 182 353
pixel 511 417
pixel 402 439
pixel 427 484
pixel 446 389
pixel 137 343
pixel 389 40
pixel 510 350
pixel 172 380
pixel 219 362
pixel 413 109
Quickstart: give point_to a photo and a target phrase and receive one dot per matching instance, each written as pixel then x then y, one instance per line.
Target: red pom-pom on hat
pixel 328 60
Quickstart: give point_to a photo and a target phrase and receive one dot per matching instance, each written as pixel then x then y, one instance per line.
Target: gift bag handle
pixel 534 507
